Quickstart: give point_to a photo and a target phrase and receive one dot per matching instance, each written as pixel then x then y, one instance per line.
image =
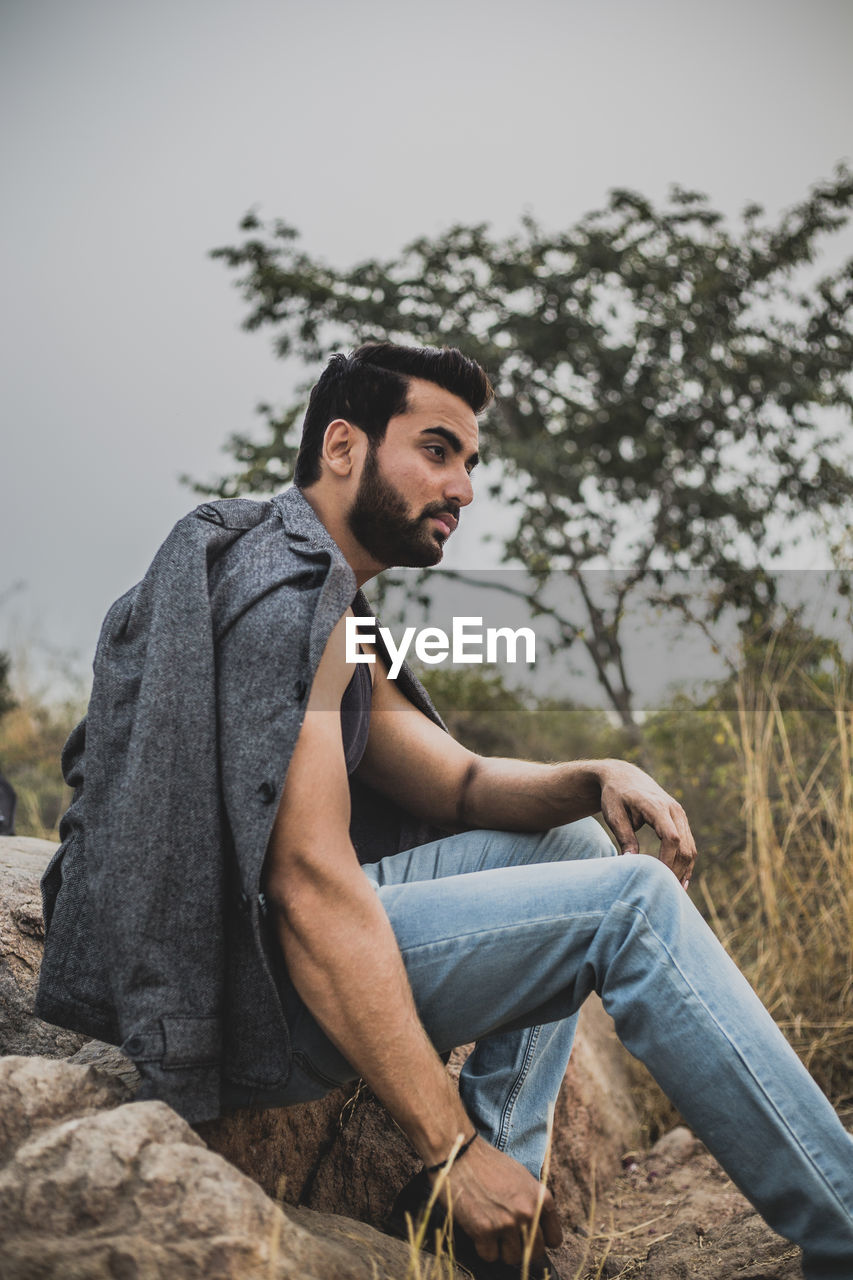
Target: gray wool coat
pixel 155 938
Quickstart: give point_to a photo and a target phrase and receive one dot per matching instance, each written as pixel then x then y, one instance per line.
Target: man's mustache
pixel 440 509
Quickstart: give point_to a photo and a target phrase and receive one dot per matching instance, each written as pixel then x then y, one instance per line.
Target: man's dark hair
pixel 371 385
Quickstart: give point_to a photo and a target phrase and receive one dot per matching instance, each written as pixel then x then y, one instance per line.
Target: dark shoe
pixel 413 1200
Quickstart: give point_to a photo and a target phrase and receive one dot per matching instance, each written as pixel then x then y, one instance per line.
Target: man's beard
pixel 380 520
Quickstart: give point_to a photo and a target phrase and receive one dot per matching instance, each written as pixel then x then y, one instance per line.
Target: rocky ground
pixel 672 1214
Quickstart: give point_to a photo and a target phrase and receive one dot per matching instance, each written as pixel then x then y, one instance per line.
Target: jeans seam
pixel 510 925
pixel 509 1105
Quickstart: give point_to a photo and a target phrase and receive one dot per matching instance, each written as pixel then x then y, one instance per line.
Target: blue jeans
pixel 505 935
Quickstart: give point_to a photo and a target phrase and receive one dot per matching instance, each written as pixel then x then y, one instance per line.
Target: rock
pixel 36 1092
pixel 91 1189
pixel 22 862
pixel 110 1060
pixel 342 1154
pixel 345 1154
pixel 595 1120
pixel 743 1249
pixel 392 1257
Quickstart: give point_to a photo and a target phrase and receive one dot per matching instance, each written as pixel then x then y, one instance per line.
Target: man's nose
pixel 460 488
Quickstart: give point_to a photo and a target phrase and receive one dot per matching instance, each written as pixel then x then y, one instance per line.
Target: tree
pixel 672 395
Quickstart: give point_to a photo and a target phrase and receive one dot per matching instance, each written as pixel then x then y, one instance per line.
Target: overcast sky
pixel 136 135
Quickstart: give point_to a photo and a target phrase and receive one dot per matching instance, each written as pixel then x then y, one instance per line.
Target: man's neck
pixel 328 509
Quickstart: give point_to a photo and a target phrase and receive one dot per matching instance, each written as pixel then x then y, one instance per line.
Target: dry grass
pixel 788 916
pixel 32 735
pixel 771 804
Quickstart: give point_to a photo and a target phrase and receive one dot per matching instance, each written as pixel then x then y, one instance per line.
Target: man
pixel 390 949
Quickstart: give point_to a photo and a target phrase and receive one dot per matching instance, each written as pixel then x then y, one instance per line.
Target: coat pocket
pixel 74 963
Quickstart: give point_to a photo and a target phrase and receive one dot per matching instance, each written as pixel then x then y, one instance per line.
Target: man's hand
pixel 631 799
pixel 496 1201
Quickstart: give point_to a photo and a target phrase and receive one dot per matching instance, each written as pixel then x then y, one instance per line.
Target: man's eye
pixel 438 449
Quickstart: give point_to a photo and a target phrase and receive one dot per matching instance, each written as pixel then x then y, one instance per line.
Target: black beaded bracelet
pixel 434 1168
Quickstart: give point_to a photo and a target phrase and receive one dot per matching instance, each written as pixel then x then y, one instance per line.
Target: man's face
pixel 414 483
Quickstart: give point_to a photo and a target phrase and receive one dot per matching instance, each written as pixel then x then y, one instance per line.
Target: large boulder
pixel 595 1120
pixel 22 862
pixel 91 1189
pixel 345 1154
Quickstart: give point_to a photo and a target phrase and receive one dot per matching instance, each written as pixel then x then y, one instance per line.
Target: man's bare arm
pixel 413 760
pixel 344 961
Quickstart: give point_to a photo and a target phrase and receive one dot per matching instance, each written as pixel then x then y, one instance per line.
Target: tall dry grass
pixel 32 735
pixel 786 914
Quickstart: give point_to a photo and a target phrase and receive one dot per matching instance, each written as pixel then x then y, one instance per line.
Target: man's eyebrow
pixel 455 443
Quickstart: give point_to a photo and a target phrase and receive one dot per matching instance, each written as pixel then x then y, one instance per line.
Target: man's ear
pixel 340 446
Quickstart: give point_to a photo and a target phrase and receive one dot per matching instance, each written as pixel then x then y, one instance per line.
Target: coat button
pixel 267 792
pixel 300 689
pixel 134 1045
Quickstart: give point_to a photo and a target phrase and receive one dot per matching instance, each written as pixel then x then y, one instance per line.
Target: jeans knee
pixel 649 882
pixel 583 839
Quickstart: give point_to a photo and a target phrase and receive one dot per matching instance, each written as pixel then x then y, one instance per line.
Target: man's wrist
pixel 456 1152
pixel 585 780
pixel 609 769
pixel 445 1124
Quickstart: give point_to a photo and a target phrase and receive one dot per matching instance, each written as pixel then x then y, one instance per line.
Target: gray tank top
pixel 355 715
